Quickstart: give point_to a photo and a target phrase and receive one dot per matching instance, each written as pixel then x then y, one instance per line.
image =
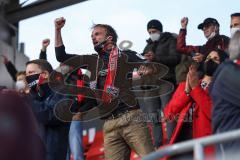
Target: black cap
pixel 156 24
pixel 208 21
pixel 235 15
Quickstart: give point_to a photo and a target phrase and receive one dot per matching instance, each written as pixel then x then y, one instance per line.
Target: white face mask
pixel 211 35
pixel 20 85
pixel 155 36
pixel 234 30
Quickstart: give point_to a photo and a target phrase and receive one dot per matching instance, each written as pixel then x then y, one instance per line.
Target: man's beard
pixel 234 49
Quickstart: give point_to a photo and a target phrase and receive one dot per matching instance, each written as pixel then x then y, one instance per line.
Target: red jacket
pixel 217 42
pixel 179 106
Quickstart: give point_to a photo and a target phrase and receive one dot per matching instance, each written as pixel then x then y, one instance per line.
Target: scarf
pixel 237 61
pixel 109 89
pixel 80 84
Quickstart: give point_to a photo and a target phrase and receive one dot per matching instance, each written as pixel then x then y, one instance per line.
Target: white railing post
pixel 198 151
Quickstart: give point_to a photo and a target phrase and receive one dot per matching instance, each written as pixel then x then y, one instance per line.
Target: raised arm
pixel 181 39
pixel 59 23
pixel 61 55
pixel 43 53
pixel 10 68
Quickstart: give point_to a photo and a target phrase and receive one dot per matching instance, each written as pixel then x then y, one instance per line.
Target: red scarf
pixel 111 74
pixel 80 84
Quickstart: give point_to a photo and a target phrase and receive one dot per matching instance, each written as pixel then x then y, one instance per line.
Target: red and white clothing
pixel 180 105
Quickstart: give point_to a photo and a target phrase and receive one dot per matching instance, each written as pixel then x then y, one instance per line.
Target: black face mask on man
pixel 99 47
pixel 32 81
pixel 210 67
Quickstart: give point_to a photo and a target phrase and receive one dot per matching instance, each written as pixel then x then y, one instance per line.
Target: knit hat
pixel 155 24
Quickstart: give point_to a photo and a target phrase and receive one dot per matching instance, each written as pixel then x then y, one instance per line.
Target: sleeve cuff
pixel 60 48
pixel 183 31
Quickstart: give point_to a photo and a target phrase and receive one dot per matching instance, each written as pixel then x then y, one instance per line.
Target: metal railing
pixel 196 145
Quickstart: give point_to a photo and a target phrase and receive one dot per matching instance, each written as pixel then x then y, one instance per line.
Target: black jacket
pixel 11 70
pixel 62 56
pixel 165 53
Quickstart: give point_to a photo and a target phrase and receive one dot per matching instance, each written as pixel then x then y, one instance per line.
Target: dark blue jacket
pixel 225 92
pixel 53 132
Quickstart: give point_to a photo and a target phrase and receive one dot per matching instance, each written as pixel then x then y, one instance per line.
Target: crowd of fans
pixel 203 99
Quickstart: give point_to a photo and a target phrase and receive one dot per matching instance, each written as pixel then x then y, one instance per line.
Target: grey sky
pixel 128 17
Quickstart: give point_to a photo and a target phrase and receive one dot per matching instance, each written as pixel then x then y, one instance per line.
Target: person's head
pixel 210 27
pixel 148 52
pixel 103 36
pixel 37 72
pixel 234 46
pixel 21 83
pixel 21 76
pixel 154 28
pixel 235 23
pixel 213 60
pixel 148 48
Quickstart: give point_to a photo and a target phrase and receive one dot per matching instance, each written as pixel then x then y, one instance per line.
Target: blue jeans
pixel 75 140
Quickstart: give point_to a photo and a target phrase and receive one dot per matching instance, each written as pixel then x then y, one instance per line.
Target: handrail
pixel 196 145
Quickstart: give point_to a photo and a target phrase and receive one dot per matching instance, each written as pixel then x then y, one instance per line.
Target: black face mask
pixel 210 67
pixel 32 81
pixel 99 47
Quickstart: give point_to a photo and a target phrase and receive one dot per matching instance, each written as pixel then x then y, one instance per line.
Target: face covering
pixel 99 47
pixel 211 35
pixel 20 85
pixel 32 81
pixel 210 67
pixel 234 30
pixel 155 36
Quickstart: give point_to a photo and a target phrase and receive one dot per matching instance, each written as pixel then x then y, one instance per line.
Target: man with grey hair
pixel 234 46
pixel 226 100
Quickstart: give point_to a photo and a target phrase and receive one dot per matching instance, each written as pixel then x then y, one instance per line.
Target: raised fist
pixel 59 23
pixel 5 59
pixel 45 43
pixel 184 22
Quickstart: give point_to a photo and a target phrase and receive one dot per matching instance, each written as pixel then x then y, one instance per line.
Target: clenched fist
pixel 45 43
pixel 184 22
pixel 59 23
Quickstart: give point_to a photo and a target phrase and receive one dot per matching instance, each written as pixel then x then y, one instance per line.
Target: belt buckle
pixel 112 116
pixel 118 115
pixel 127 111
